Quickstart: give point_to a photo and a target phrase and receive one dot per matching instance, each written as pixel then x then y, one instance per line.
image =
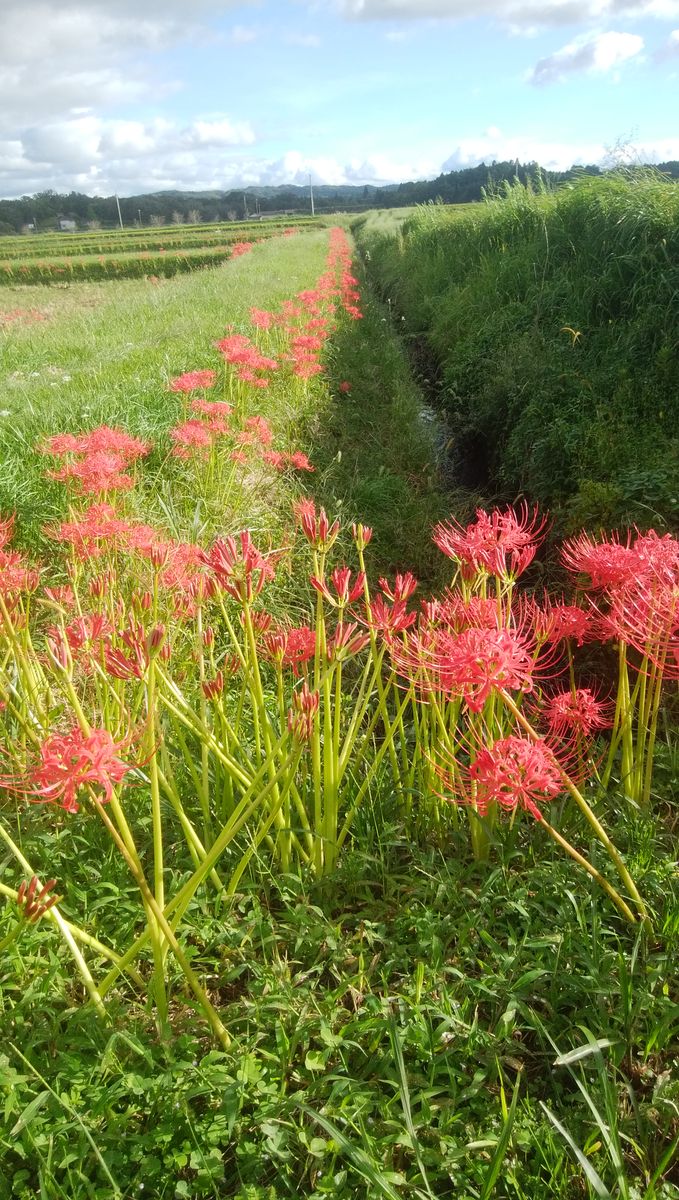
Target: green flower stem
pixel 204 793
pixel 64 929
pixel 389 733
pixel 176 908
pixel 652 735
pixel 152 740
pixel 79 934
pixel 167 932
pixel 24 664
pixel 590 869
pixel 591 818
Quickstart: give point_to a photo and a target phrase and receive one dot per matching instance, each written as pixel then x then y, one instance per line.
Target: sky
pixel 133 96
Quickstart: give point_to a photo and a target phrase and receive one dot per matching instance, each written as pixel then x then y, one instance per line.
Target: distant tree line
pixel 44 210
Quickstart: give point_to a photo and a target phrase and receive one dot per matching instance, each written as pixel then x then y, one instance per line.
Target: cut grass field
pixel 412 1025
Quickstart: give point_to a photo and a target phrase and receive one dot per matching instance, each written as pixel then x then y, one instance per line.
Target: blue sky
pixel 118 95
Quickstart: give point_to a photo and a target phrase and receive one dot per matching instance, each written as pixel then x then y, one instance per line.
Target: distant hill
pixel 159 208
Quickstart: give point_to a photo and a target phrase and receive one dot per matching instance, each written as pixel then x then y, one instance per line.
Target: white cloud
pixel 494 146
pixel 309 40
pixel 133 157
pixel 220 133
pixel 671 47
pixel 94 54
pixel 241 35
pixel 516 13
pixel 594 54
pixel 102 156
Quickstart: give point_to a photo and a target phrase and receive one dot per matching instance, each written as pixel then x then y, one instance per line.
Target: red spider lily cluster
pixel 141 658
pixel 98 461
pixel 295 337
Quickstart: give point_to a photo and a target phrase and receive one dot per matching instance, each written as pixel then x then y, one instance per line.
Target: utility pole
pixel 245 206
pixel 139 214
pixel 120 216
pixel 311 193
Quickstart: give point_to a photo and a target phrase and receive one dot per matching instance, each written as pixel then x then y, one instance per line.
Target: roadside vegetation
pixel 552 323
pixel 336 856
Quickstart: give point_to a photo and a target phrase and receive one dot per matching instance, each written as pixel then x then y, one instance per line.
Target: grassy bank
pixel 292 904
pixel 553 322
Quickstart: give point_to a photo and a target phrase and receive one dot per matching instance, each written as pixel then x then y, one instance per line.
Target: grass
pixel 553 321
pixel 414 1025
pixel 107 352
pixel 382 1028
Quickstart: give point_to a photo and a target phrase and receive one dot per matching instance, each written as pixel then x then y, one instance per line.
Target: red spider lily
pixel 307 343
pixel 290 646
pixel 63 597
pixel 58 648
pixel 35 903
pixel 472 664
pixel 260 429
pixel 239 567
pixel 503 543
pixel 15 575
pixel 129 659
pixel 345 386
pixel 184 571
pixel 240 351
pixel 147 541
pixel 558 622
pixel 516 772
pixel 72 761
pixel 215 414
pixel 403 588
pixel 193 381
pixel 306 369
pixel 191 437
pixel 346 642
pixel 608 563
pixel 96 525
pixel 99 471
pixel 213 688
pixel 248 375
pixel 262 319
pixel 344 592
pixel 646 616
pixel 261 620
pixel 89 631
pixel 573 712
pixel 299 461
pixel 235 348
pixel 456 613
pixel 316 527
pixel 658 557
pixel 103 585
pixel 362 535
pixel 102 440
pixel 240 248
pixel 302 714
pixel 388 619
pixel 278 460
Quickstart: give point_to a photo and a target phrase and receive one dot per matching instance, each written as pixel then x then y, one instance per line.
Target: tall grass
pixel 554 320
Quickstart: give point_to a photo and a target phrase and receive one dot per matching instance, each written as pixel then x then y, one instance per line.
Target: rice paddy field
pixel 339 763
